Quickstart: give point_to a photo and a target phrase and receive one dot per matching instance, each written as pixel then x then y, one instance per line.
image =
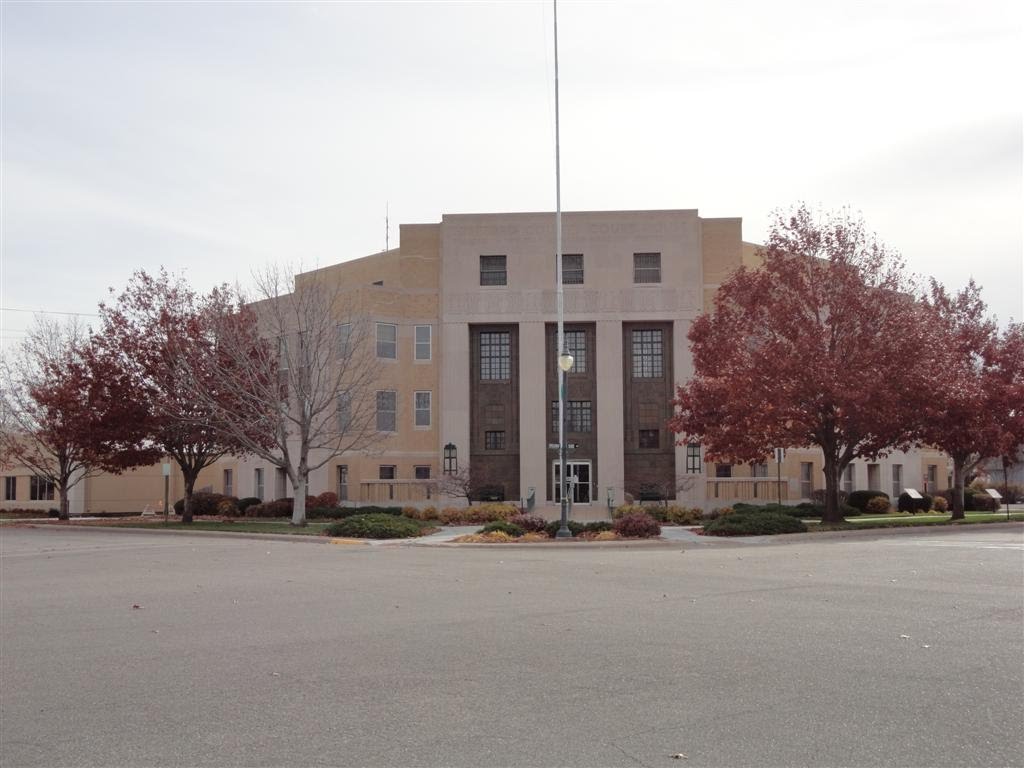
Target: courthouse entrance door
pixel 579 470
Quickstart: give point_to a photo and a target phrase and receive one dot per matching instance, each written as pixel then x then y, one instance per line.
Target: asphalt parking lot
pixel 887 649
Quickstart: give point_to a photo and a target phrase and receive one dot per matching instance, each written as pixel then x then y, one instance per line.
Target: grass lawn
pixel 903 519
pixel 247 526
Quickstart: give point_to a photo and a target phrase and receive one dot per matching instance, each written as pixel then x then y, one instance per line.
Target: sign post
pixel 780 454
pixel 167 481
pixel 998 497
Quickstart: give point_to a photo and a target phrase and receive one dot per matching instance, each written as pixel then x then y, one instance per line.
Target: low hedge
pixel 245 503
pixel 203 503
pixel 479 514
pixel 860 499
pixel 529 523
pixel 638 525
pixel 504 526
pixel 762 521
pixel 375 526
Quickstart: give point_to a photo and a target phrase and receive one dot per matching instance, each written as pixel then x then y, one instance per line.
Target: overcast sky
pixel 210 137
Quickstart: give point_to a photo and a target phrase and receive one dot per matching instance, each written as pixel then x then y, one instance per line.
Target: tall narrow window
pixel 387 341
pixel 342 482
pixel 806 479
pixel 40 489
pixel 344 340
pixel 759 469
pixel 848 478
pixel 931 480
pixel 10 488
pixel 257 480
pixel 576 345
pixel 281 483
pixel 648 356
pixel 646 267
pixel 229 482
pixel 386 404
pixel 492 270
pixel 422 403
pixel 495 356
pixel 897 480
pixel 387 472
pixel 693 457
pixel 423 342
pixel 572 269
pixel 344 406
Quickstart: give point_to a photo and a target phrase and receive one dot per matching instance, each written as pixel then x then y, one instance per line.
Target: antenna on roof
pixel 387 227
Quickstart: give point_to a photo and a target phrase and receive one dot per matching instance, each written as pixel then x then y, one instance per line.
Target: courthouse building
pixel 463 318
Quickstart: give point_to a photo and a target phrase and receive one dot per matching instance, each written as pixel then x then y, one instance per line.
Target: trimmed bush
pixel 683 515
pixel 505 527
pixel 755 522
pixel 939 504
pixel 982 502
pixel 248 501
pixel 627 509
pixel 280 508
pixel 325 499
pixel 227 508
pixel 203 503
pixel 375 526
pixel 415 513
pixel 877 505
pixel 478 515
pixel 637 526
pixel 575 527
pixel 529 523
pixel 860 499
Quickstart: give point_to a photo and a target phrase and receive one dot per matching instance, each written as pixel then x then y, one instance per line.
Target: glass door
pixel 578 473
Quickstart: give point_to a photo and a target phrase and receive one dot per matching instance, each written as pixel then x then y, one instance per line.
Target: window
pixel 281 483
pixel 648 438
pixel 422 403
pixel 40 489
pixel 451 459
pixel 386 404
pixel 572 269
pixel 897 480
pixel 693 457
pixel 647 354
pixel 578 416
pixel 422 342
pixel 723 470
pixel 646 267
pixel 931 480
pixel 258 483
pixel 344 406
pixel 759 469
pixel 576 345
pixel 10 488
pixel 848 478
pixel 421 472
pixel 282 352
pixel 495 356
pixel 494 440
pixel 387 341
pixel 649 413
pixel 492 270
pixel 344 339
pixel 806 479
pixel 342 482
pixel 229 482
pixel 386 472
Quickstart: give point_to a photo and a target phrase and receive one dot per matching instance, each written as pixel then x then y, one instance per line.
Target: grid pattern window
pixel 648 355
pixel 387 402
pixel 492 270
pixel 646 267
pixel 648 438
pixel 578 416
pixel 495 356
pixel 576 345
pixel 257 480
pixel 848 478
pixel 759 469
pixel 386 472
pixel 344 340
pixel 897 480
pixel 931 480
pixel 421 472
pixel 572 269
pixel 229 482
pixel 723 470
pixel 40 489
pixel 344 415
pixel 693 463
pixel 494 440
pixel 423 350
pixel 806 479
pixel 10 488
pixel 422 409
pixel 387 341
pixel 342 482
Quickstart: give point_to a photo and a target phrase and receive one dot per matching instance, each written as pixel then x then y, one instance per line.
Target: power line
pixel 48 312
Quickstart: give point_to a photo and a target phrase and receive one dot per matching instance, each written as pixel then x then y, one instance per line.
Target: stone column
pixel 610 430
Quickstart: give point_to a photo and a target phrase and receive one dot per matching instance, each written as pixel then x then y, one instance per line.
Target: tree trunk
pixel 959 472
pixel 832 515
pixel 65 504
pixel 189 475
pixel 299 503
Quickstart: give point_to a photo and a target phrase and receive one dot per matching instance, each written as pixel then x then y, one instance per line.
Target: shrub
pixel 478 515
pixel 529 523
pixel 683 515
pixel 860 499
pixel 908 504
pixel 326 513
pixel 598 526
pixel 939 504
pixel 575 527
pixel 717 512
pixel 818 495
pixel 270 509
pixel 877 505
pixel 982 502
pixel 203 503
pixel 637 526
pixel 415 513
pixel 627 509
pixel 325 499
pixel 1011 493
pixel 505 527
pixel 375 526
pixel 494 537
pixel 227 508
pixel 755 522
pixel 248 501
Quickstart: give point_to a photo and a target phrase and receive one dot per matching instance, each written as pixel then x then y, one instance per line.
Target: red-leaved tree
pixel 975 393
pixel 808 350
pixel 68 411
pixel 149 327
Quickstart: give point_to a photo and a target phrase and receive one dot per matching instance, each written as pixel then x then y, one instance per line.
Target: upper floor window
pixel 572 268
pixel 344 339
pixel 495 355
pixel 648 358
pixel 387 341
pixel 576 345
pixel 646 267
pixel 492 270
pixel 648 438
pixel 422 403
pixel 494 440
pixel 423 342
pixel 759 469
pixel 386 405
pixel 344 414
pixel 693 457
pixel 578 416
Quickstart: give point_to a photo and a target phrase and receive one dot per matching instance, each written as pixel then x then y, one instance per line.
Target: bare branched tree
pixel 309 380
